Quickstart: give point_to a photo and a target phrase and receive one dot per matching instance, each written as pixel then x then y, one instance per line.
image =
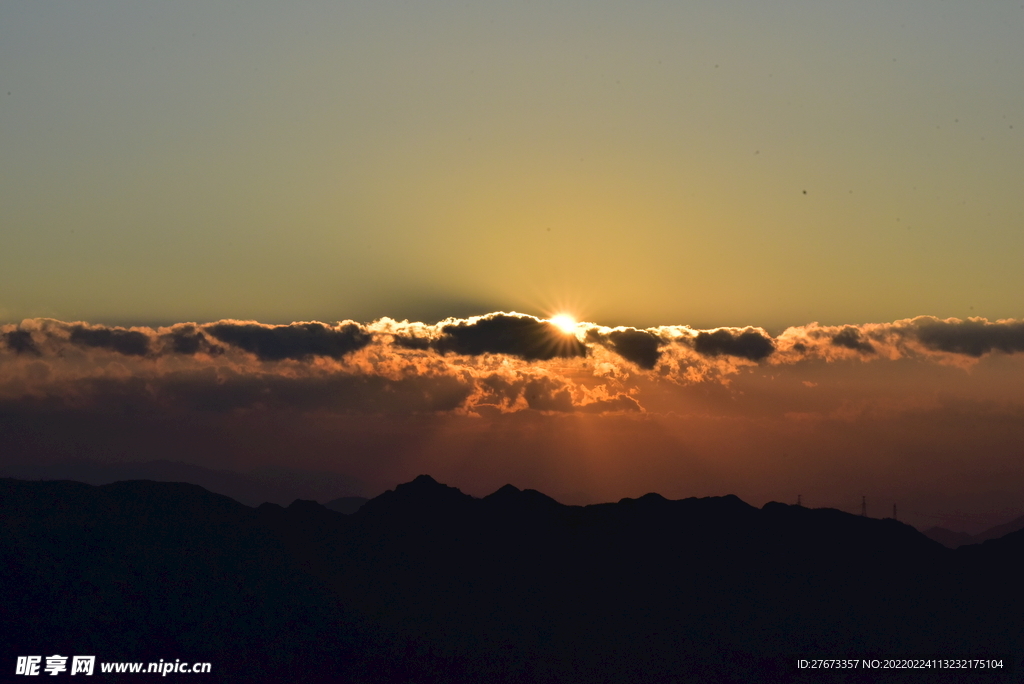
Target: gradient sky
pixel 644 163
pixel 799 206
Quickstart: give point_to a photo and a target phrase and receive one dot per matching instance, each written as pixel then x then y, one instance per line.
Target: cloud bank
pixel 501 362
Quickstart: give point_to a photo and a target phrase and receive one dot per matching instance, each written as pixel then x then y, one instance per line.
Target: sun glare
pixel 564 322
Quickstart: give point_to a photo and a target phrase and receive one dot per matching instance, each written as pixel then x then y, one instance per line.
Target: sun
pixel 564 322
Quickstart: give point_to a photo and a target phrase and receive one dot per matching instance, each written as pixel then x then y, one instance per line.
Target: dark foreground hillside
pixel 426 584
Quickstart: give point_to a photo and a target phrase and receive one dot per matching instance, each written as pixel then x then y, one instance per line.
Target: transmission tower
pixel 864 506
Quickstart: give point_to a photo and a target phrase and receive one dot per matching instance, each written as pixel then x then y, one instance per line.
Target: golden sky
pixel 703 163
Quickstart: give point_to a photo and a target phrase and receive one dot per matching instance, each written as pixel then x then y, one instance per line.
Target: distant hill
pixel 949 538
pixel 427 584
pixel 957 539
pixel 276 485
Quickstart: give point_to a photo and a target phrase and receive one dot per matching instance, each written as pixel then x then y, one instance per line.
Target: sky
pixel 658 170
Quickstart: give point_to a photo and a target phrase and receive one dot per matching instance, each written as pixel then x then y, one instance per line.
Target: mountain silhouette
pixel 277 485
pixel 427 584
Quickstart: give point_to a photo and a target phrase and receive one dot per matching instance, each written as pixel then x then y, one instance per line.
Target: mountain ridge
pixel 426 583
pixel 277 485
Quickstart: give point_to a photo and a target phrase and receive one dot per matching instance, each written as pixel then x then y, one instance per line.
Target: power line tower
pixel 894 512
pixel 798 503
pixel 864 506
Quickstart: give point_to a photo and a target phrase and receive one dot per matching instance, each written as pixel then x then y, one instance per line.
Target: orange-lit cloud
pixel 503 362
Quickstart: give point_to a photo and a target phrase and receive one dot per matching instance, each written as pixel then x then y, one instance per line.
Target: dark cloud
pixel 21 342
pixel 750 344
pixel 972 338
pixel 296 341
pixel 189 341
pixel 850 338
pixel 127 342
pixel 638 346
pixel 412 342
pixel 523 336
